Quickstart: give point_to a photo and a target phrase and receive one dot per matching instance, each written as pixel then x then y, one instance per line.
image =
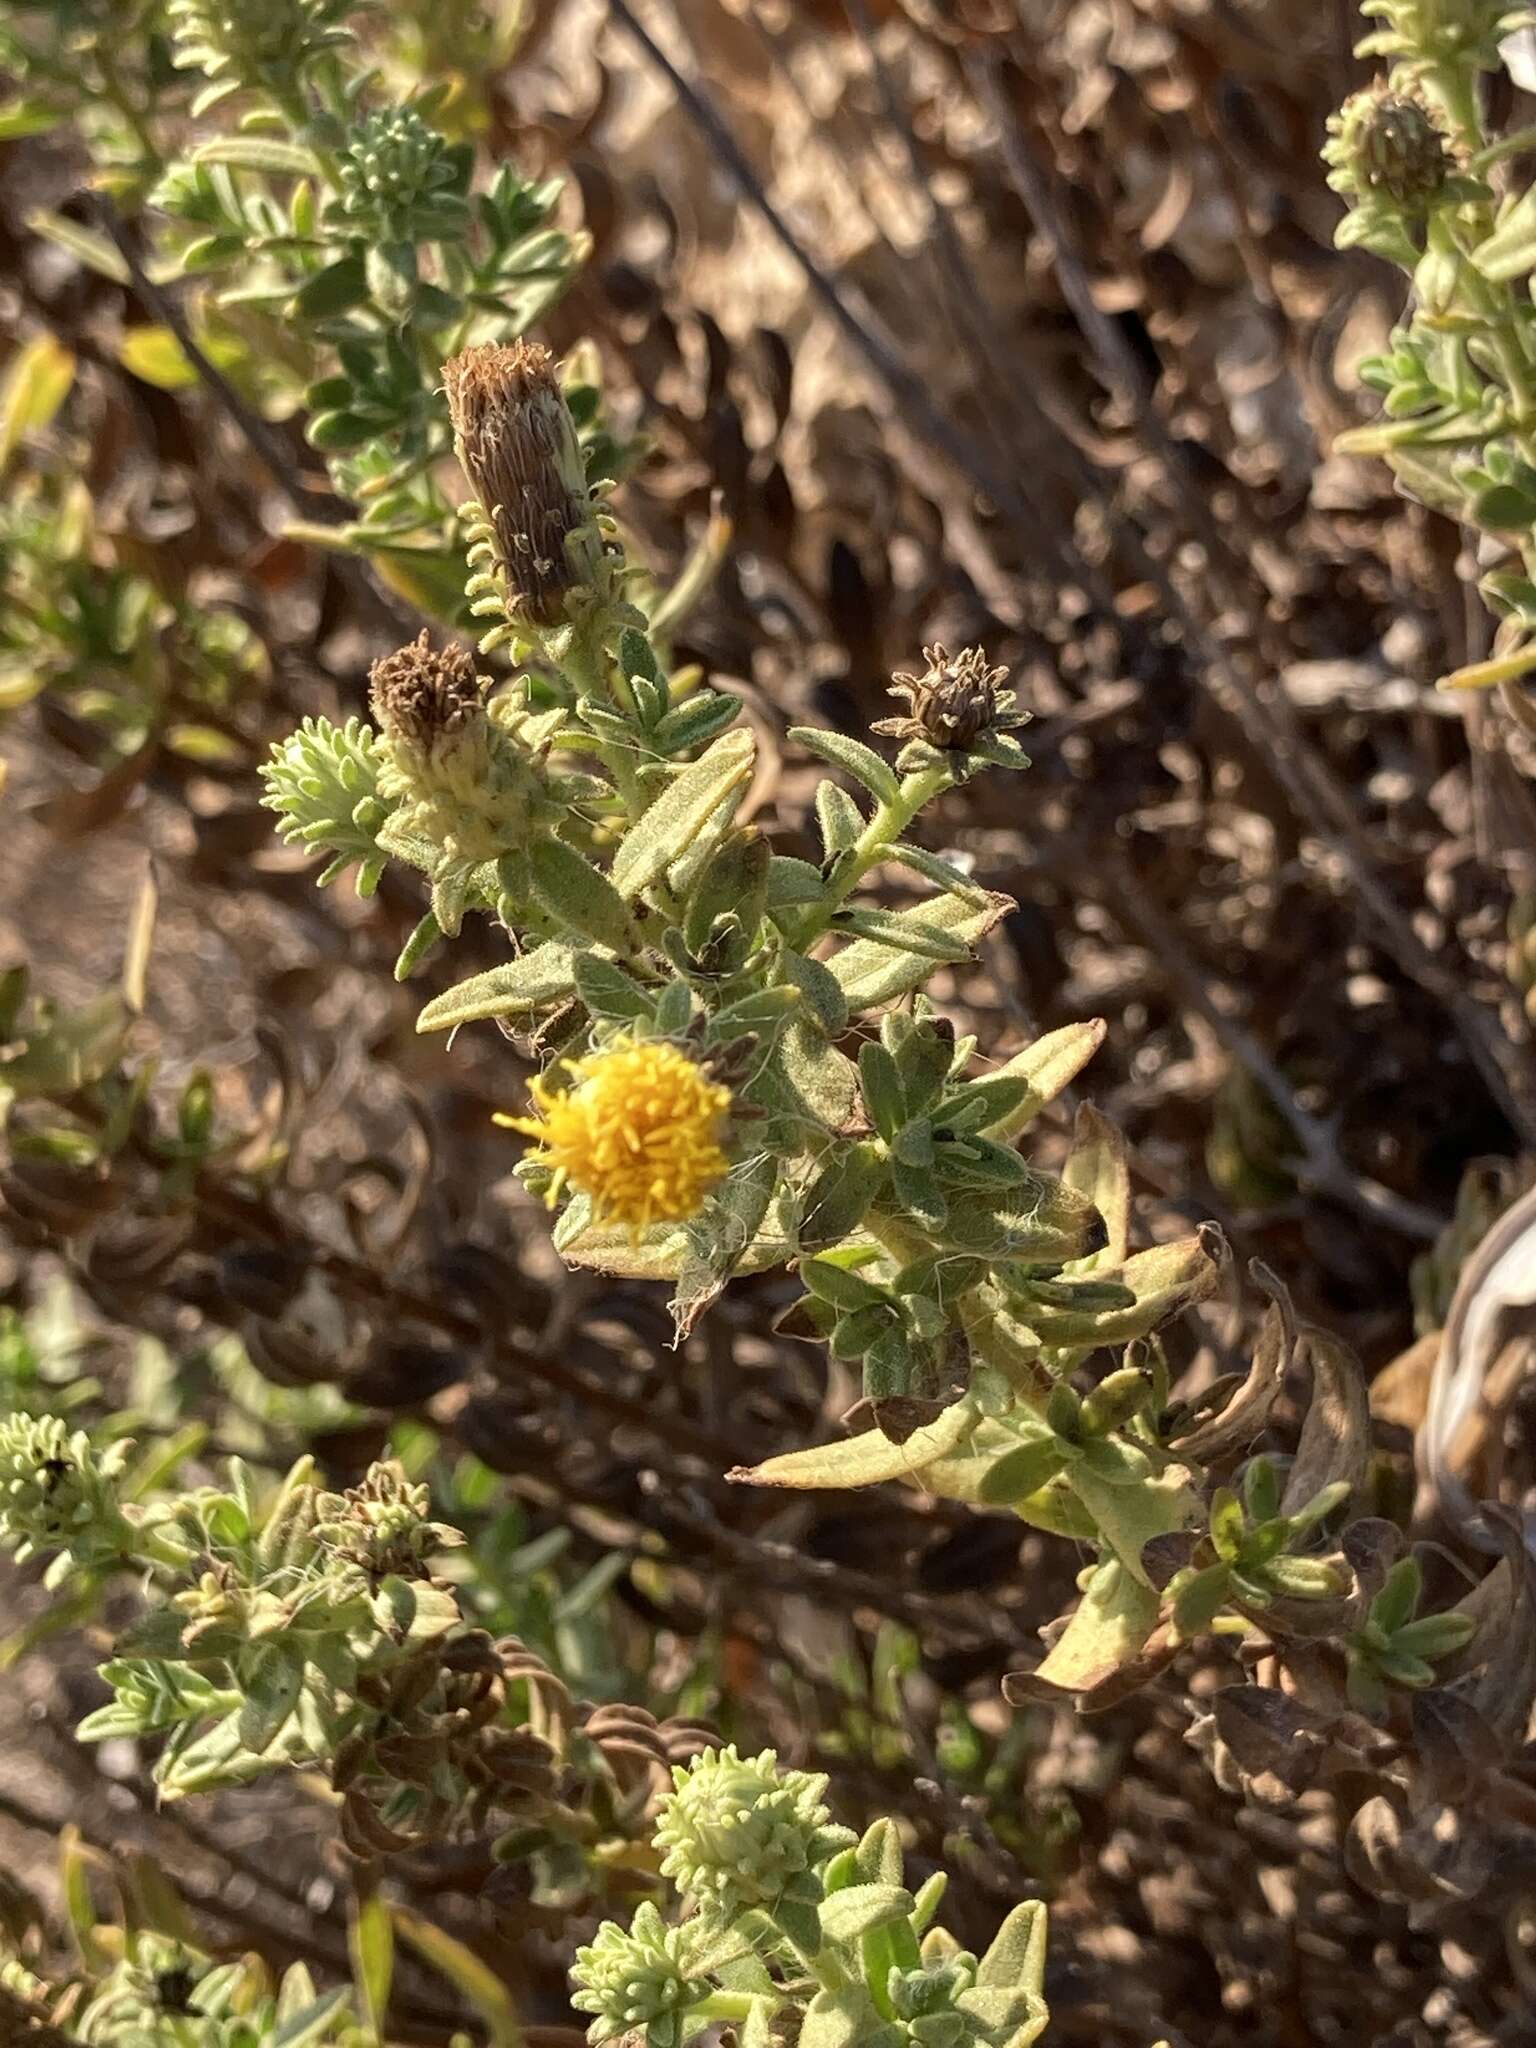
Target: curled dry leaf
pixel 1232 1427
pixel 1500 1277
pixel 1506 1689
pixel 1336 1436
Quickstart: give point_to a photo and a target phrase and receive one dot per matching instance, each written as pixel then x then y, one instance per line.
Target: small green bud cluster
pixel 323 782
pixel 1254 1555
pixel 400 179
pixel 1397 1647
pixel 58 1492
pixel 865 1964
pixel 739 1833
pixel 638 1979
pixel 383 1526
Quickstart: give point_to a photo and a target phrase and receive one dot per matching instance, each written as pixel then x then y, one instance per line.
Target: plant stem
pixel 890 820
pixel 724 2005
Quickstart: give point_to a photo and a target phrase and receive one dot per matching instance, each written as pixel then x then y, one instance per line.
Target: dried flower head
pixel 955 702
pixel 428 697
pixel 638 1130
pixel 517 445
pixel 1392 144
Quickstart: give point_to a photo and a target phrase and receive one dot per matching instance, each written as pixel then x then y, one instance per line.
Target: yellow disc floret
pixel 638 1129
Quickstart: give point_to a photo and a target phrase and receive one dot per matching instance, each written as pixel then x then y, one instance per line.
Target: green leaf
pixel 838 1285
pixel 1017 1955
pixel 934 868
pixel 1502 508
pixel 839 1198
pixel 608 991
pixel 979 1104
pixel 371 1940
pixel 38 378
pixel 1129 1512
pixel 763 1011
pixel 720 1235
pixel 336 289
pixel 216 1757
pixel 863 1460
pixel 1228 1525
pixel 820 988
pixel 1434 1635
pixel 853 757
pixel 701 795
pixel 311 2020
pixel 674 1009
pixel 155 356
pixel 423 938
pixel 1048 1065
pixel 270 1678
pixel 906 932
pixel 1510 251
pixel 861 1908
pixel 917 1192
pixel 842 2019
pixel 1200 1599
pixel 579 895
pixel 258 153
pixel 75 1861
pixel 536 981
pixel 800 1918
pixel 20 118
pixel 878 1857
pixel 807 1079
pixel 1409 1671
pixel 793 882
pixel 872 974
pixel 96 252
pixel 1043 1222
pixel 857 1332
pixel 733 883
pixel 694 722
pixel 335 432
pixel 1398 1601
pixel 881 1088
pixel 1019 1473
pixel 839 817
pixel 1109 1629
pixel 1164 1280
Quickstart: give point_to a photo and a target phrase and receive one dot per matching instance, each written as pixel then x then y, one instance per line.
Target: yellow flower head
pixel 638 1130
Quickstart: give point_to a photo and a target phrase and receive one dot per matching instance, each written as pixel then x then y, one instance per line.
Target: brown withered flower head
pixel 517 445
pixel 428 697
pixel 955 702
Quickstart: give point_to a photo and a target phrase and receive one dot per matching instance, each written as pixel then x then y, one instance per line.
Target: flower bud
pixel 384 1525
pixel 57 1492
pixel 1392 145
pixel 740 1834
pixel 517 445
pixel 637 1978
